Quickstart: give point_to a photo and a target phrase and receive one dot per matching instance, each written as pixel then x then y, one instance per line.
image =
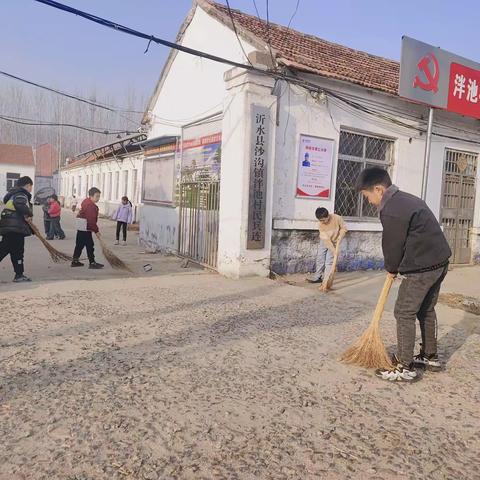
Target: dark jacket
pixel 89 211
pixel 412 238
pixel 17 206
pixel 46 216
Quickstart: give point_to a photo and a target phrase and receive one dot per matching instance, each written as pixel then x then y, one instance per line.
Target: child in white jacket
pixel 124 216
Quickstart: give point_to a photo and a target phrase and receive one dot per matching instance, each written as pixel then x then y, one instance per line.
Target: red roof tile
pixel 312 54
pixel 16 155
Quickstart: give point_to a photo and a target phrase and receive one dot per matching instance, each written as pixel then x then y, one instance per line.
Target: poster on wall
pixel 315 167
pixel 201 151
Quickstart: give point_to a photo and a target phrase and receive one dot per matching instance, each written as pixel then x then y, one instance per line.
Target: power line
pixel 46 122
pixel 68 95
pixel 35 123
pixel 256 9
pixel 236 33
pixel 293 14
pixel 268 34
pixel 136 33
pixel 306 84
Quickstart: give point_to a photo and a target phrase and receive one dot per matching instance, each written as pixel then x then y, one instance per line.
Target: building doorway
pixel 199 191
pixel 458 202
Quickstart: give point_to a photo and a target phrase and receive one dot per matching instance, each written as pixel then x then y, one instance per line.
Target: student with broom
pixel 14 225
pixel 415 247
pixel 86 221
pixel 332 230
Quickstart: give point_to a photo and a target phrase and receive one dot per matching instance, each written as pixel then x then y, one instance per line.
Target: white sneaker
pixel 124 242
pixel 116 242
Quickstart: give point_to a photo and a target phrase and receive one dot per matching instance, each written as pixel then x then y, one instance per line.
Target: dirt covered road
pixel 192 376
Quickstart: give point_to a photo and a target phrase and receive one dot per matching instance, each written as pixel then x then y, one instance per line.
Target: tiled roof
pixel 16 155
pixel 312 54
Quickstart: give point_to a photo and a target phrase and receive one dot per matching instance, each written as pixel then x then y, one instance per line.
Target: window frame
pixel 10 176
pixel 171 156
pixel 364 162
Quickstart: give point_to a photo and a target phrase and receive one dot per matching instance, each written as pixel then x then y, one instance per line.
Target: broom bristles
pixel 115 262
pixel 369 351
pixel 56 255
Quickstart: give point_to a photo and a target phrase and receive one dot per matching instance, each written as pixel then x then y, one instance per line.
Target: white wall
pixel 301 114
pixel 159 227
pixel 194 87
pixel 93 174
pixel 20 169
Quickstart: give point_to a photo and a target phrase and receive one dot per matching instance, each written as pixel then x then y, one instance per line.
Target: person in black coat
pixel 414 247
pixel 14 226
pixel 46 217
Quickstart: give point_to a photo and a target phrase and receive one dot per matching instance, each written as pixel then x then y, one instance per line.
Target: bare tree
pixel 21 104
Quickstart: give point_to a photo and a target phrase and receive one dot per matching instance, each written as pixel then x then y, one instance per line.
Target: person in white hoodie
pixel 124 216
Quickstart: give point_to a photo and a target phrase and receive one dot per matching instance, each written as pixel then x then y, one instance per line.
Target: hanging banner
pixel 439 78
pixel 315 167
pixel 260 138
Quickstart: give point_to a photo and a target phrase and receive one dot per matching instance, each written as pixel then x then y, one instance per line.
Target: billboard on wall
pixel 439 78
pixel 315 167
pixel 201 151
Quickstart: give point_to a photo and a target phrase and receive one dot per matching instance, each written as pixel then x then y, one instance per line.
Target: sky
pixel 67 52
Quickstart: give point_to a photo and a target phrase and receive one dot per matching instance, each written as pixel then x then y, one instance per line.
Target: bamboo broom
pixel 115 262
pixel 327 284
pixel 56 255
pixel 369 351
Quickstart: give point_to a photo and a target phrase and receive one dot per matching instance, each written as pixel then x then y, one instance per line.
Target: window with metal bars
pixel 356 152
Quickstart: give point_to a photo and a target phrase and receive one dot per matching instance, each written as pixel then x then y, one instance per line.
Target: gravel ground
pixel 192 376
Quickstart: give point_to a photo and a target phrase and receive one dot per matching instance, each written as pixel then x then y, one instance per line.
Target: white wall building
pixel 337 99
pixel 15 161
pixel 116 169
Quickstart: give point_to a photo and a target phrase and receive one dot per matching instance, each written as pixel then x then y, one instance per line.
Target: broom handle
pixel 335 257
pixel 382 300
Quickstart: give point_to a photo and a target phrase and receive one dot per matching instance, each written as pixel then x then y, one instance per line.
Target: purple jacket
pixel 124 213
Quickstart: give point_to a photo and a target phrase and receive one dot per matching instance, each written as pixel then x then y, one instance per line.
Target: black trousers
pixel 122 226
pixel 46 224
pixel 84 240
pixel 417 297
pixel 13 244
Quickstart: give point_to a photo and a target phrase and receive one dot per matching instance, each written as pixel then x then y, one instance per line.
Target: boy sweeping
pixel 413 246
pixel 332 230
pixel 87 220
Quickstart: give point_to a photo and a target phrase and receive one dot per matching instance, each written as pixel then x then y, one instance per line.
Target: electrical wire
pixel 68 95
pixel 293 80
pixel 35 123
pixel 151 38
pixel 269 43
pixel 46 122
pixel 256 9
pixel 236 33
pixel 293 14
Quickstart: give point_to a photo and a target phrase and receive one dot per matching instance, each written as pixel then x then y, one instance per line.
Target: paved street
pixel 180 373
